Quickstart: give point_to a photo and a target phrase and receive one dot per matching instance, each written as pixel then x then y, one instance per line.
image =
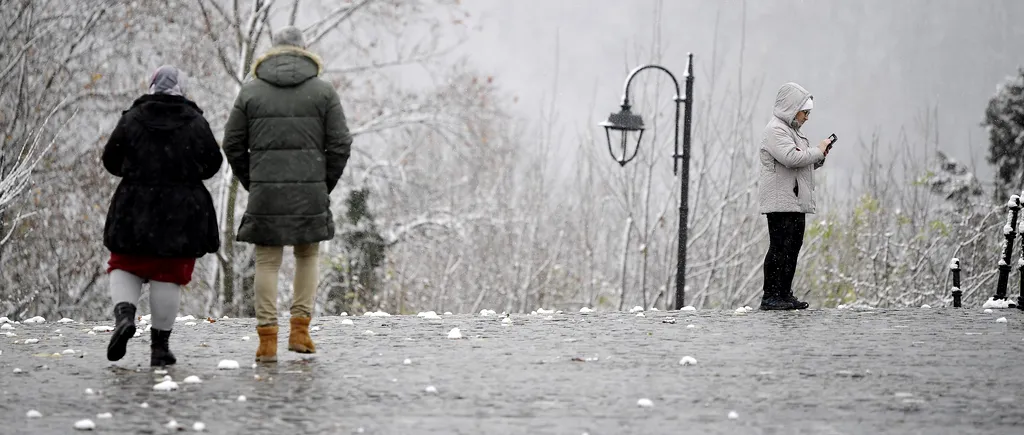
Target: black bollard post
pixel 1020 272
pixel 1010 231
pixel 954 266
pixel 1020 265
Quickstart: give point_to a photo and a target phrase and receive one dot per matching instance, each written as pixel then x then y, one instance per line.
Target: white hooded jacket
pixel 788 160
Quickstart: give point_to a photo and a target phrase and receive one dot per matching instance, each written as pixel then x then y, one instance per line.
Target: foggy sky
pixel 873 65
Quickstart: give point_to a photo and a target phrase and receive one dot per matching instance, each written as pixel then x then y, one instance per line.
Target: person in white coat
pixel 786 192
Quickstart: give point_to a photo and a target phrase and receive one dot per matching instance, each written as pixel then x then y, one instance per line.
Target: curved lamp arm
pixel 632 74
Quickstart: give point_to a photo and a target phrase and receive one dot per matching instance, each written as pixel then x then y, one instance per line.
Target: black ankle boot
pixel 124 330
pixel 160 353
pixel 797 304
pixel 775 304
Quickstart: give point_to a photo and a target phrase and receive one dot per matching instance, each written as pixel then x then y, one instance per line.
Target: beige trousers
pixel 268 264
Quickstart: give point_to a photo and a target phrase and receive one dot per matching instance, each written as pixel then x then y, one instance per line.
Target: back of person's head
pixel 167 80
pixel 289 36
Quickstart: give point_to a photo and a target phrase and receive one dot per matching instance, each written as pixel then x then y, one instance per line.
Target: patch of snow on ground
pixel 377 313
pixel 193 380
pixel 644 403
pixel 347 322
pixel 586 310
pixel 167 385
pixel 33 414
pixel 688 361
pixel 1001 320
pixel 689 308
pixel 85 425
pixel 1000 304
pixel 455 334
pixel 227 364
pixel 428 315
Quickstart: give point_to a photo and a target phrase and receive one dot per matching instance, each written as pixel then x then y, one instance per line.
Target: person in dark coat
pixel 161 217
pixel 288 143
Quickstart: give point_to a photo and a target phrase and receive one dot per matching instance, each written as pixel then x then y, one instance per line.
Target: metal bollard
pixel 954 266
pixel 1020 266
pixel 1010 231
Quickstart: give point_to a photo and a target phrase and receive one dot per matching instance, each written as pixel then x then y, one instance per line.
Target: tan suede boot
pixel 267 352
pixel 298 338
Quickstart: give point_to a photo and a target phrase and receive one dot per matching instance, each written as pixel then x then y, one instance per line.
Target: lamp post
pixel 625 124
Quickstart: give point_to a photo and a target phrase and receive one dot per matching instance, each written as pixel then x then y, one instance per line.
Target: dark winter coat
pixel 163 149
pixel 287 142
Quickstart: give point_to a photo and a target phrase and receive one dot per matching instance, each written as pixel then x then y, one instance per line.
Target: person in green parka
pixel 287 142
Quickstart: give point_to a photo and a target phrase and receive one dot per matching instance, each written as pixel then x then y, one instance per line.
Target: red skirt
pixel 173 270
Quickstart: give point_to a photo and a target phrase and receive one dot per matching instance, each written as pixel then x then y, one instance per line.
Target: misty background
pixel 875 67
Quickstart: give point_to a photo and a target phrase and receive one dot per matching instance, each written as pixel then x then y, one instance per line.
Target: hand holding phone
pixel 832 140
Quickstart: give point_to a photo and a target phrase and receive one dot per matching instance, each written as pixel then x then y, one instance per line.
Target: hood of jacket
pixel 165 112
pixel 287 66
pixel 790 99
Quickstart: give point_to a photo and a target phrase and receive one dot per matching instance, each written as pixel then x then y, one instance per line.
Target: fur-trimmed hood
pixel 287 66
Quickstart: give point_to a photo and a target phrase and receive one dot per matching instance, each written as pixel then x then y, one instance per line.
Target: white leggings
pixel 163 296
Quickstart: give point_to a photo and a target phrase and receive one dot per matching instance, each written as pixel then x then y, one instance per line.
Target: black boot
pixel 124 330
pixel 775 304
pixel 797 304
pixel 160 353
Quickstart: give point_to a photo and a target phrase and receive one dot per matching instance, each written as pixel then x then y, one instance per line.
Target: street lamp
pixel 623 125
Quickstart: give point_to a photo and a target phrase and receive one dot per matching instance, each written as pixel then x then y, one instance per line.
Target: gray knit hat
pixel 167 80
pixel 290 35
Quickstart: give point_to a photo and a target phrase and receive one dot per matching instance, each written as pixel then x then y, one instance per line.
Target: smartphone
pixel 832 140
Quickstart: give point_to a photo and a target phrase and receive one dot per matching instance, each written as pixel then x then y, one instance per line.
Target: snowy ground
pixel 916 371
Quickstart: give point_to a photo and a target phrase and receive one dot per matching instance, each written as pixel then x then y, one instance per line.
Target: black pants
pixel 786 236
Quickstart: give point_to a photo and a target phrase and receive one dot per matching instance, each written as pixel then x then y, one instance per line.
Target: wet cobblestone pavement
pixel 914 371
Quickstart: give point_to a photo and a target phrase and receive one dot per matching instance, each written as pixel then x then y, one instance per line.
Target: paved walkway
pixel 919 371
